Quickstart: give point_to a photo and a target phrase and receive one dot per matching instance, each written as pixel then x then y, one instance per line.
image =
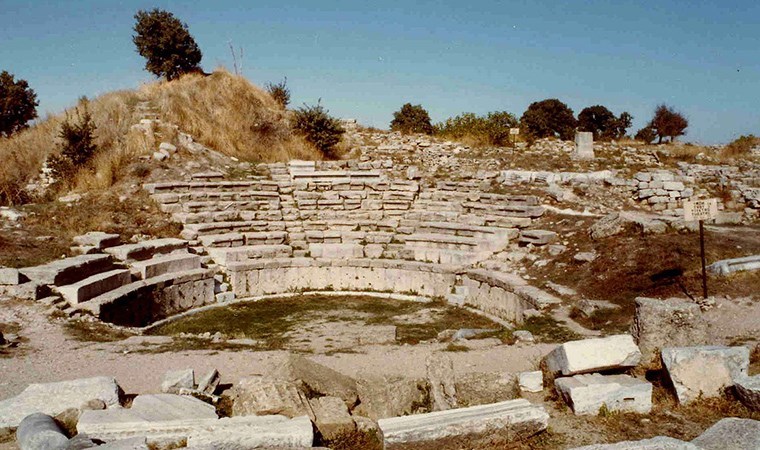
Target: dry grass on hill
pixel 223 111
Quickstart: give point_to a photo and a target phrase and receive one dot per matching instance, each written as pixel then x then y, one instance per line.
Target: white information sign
pixel 514 131
pixel 700 209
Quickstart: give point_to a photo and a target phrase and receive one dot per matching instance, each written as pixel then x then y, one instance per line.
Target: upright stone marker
pixel 584 145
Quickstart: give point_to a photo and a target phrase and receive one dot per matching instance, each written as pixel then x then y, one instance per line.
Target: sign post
pixel 513 133
pixel 701 210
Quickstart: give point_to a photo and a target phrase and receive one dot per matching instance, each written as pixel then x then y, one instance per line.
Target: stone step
pixel 226 256
pixel 510 210
pixel 68 270
pixel 207 176
pixel 129 305
pixel 519 418
pixel 146 249
pixel 227 186
pixel 231 205
pixel 194 231
pixel 223 240
pixel 94 286
pixel 173 262
pixel 214 196
pixel 464 229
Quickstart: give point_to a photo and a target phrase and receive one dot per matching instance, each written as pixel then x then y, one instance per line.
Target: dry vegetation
pixel 222 111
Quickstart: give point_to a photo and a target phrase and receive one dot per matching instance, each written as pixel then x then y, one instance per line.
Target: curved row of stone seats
pixel 68 270
pixel 193 231
pixel 205 186
pixel 226 255
pixel 145 301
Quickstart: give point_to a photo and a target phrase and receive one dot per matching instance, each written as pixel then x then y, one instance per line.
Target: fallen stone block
pixel 586 394
pixel 134 443
pixel 518 417
pixel 748 391
pixel 146 249
pixel 209 382
pixel 656 443
pixel 537 237
pixel 704 371
pixel 531 381
pixel 151 415
pixel 666 323
pixel 262 396
pixel 440 373
pixel 331 417
pixel 593 355
pixel 482 388
pixel 390 395
pixel 178 379
pixel 10 277
pixel 54 398
pixel 40 432
pixel 730 434
pixel 317 377
pixel 243 433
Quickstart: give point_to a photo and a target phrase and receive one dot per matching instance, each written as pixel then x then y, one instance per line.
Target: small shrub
pixel 646 134
pixel 318 128
pixel 412 119
pixel 166 44
pixel 77 144
pixel 740 146
pixel 18 104
pixel 492 129
pixel 279 92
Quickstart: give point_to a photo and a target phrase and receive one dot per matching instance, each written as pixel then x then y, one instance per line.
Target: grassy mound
pixel 223 111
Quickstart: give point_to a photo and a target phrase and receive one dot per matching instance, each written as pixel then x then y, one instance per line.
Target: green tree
pixel 668 123
pixel 603 123
pixel 18 104
pixel 547 118
pixel 412 119
pixel 166 44
pixel 318 128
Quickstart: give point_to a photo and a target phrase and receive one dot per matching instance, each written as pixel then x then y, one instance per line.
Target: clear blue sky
pixel 365 59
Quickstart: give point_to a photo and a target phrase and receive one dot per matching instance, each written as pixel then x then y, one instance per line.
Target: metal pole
pixel 702 252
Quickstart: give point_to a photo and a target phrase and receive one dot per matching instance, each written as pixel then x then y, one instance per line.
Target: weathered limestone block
pixel 178 379
pixel 336 251
pixel 10 277
pixel 39 431
pixel 593 355
pixel 517 416
pixel 666 323
pixel 656 443
pixel 94 285
pixel 243 433
pixel 585 394
pixel 68 270
pixel 331 417
pixel 440 373
pixel 531 381
pixel 584 145
pixel 209 382
pixel 748 391
pixel 482 388
pixel 390 396
pixel 97 239
pixel 161 265
pixel 730 434
pixel 263 396
pixel 146 249
pixel 133 443
pixel 537 237
pixel 54 398
pixel 704 371
pixel 317 378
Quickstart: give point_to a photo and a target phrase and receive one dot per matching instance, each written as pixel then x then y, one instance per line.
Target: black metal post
pixel 702 252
